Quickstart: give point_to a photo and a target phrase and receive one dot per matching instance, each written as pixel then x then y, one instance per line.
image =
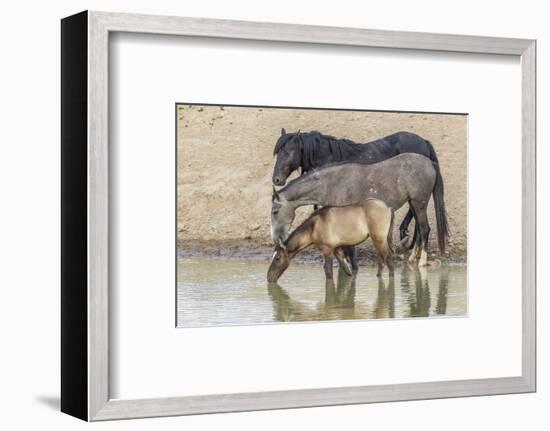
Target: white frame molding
pixel 99 27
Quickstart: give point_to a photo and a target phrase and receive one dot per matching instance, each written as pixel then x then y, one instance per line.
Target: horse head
pixel 279 262
pixel 289 156
pixel 282 216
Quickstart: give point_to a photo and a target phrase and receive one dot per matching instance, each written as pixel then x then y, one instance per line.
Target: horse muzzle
pixel 278 236
pixel 273 273
pixel 272 278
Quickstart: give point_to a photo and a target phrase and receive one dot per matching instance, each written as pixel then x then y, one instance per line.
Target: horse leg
pixel 328 265
pixel 389 263
pixel 383 253
pixel 385 258
pixel 423 235
pixel 423 261
pixel 380 262
pixel 415 244
pixel 415 237
pixel 344 263
pixel 349 251
pixel 416 251
pixel 404 226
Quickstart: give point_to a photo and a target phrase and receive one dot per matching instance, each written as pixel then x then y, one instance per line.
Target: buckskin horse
pixel 331 228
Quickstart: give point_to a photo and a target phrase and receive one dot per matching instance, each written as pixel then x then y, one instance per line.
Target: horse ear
pixel 283 131
pixel 297 134
pixel 282 245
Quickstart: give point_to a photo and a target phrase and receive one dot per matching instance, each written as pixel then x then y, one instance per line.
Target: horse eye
pixel 278 257
pixel 275 212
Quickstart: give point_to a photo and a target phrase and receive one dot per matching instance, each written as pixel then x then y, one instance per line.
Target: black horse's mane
pixel 311 143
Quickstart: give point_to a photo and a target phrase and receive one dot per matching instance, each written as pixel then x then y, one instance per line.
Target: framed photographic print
pixel 246 206
pixel 223 241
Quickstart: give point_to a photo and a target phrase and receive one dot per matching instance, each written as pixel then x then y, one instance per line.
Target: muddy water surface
pixel 216 292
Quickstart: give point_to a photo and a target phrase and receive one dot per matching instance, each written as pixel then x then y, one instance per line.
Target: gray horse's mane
pixel 312 175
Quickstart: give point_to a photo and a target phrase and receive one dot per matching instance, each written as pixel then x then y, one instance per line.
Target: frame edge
pixel 103 408
pixel 299 33
pixel 529 192
pixel 98 213
pixel 307 398
pixel 74 268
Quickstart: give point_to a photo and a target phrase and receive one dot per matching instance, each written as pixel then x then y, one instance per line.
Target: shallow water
pixel 216 292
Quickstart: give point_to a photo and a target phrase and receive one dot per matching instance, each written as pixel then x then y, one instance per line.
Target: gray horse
pixel 405 178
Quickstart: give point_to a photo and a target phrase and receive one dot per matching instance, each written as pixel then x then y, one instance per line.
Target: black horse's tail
pixel 431 151
pixel 439 201
pixel 440 211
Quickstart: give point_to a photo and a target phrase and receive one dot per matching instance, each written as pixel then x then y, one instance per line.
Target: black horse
pixel 310 150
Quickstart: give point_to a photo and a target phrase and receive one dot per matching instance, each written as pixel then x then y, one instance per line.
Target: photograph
pixel 291 214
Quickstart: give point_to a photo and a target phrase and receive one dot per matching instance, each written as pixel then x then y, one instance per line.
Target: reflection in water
pixel 420 300
pixel 441 306
pixel 230 292
pixel 385 302
pixel 339 303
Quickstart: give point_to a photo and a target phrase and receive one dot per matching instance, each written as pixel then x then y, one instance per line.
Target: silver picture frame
pixel 85 215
